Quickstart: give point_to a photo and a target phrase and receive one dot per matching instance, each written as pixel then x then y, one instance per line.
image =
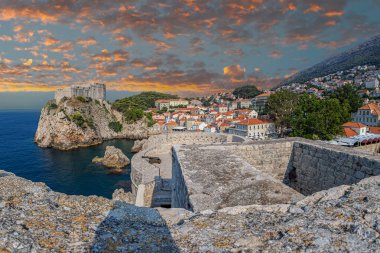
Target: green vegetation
pixel 248 91
pixel 149 118
pixel 80 121
pixel 51 106
pixel 116 126
pixel 281 106
pixel 133 107
pixel 132 115
pixel 347 93
pixel 141 101
pixel 315 118
pixel 81 99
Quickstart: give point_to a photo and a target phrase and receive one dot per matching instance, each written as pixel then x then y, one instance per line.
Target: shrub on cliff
pixel 52 106
pixel 78 119
pixel 116 126
pixel 81 99
pixel 133 115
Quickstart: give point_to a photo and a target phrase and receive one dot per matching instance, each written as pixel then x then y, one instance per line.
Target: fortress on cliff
pixel 87 89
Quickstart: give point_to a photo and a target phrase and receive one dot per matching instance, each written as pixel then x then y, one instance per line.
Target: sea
pixel 70 172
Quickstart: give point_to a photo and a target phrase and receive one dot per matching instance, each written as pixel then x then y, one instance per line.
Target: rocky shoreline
pixel 74 123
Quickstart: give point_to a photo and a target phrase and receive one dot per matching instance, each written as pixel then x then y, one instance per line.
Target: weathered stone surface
pixel 56 129
pixel 213 177
pixel 113 158
pixel 138 145
pixel 35 219
pixel 121 195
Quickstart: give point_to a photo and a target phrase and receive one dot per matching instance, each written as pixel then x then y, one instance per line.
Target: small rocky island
pixel 72 121
pixel 113 158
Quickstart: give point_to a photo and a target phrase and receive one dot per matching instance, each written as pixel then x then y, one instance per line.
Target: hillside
pixel 248 91
pixel 366 53
pixel 142 101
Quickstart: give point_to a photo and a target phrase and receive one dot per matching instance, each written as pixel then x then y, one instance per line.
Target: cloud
pixel 87 42
pixel 50 41
pixel 275 54
pixel 5 37
pixel 234 71
pixel 28 62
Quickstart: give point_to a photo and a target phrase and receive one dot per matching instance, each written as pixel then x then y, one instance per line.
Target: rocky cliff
pixel 33 218
pixel 74 123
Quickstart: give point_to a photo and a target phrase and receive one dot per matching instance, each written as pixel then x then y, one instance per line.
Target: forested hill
pixel 142 101
pixel 366 53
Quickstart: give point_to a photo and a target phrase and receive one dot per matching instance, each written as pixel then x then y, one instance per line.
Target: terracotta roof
pixel 254 122
pixel 264 95
pixel 354 124
pixel 373 107
pixel 162 101
pixel 374 130
pixel 348 132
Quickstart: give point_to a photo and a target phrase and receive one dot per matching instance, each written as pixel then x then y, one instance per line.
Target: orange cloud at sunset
pixel 234 71
pixel 334 13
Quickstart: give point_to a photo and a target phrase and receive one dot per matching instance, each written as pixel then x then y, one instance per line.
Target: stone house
pixel 368 115
pixel 254 128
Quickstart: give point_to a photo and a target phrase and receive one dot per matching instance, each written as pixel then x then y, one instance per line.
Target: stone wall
pixel 143 172
pixel 271 157
pixel 315 166
pixel 179 192
pixel 371 148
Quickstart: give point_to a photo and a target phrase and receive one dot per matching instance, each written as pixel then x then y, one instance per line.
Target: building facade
pixel 254 128
pixel 368 115
pixel 170 103
pixel 88 90
pixel 260 102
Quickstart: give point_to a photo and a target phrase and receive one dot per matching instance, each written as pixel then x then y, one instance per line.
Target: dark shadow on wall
pixel 128 228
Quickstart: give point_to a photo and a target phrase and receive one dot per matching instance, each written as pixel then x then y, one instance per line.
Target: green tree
pixel 281 106
pixel 316 118
pixel 133 115
pixel 348 93
pixel 116 126
pixel 248 91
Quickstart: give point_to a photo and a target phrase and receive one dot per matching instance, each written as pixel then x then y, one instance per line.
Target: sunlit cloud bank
pixel 184 47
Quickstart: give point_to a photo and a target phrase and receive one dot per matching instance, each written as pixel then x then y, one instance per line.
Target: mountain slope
pixel 366 53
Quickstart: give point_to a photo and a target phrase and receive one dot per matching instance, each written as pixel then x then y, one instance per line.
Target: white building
pixel 372 83
pixel 90 90
pixel 254 128
pixel 368 115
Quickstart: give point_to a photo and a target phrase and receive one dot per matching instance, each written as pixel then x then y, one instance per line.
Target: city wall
pixel 306 166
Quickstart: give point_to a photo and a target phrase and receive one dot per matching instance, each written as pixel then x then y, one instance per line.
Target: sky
pixel 186 47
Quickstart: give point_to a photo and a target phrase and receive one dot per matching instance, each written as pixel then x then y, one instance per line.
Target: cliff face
pixel 73 123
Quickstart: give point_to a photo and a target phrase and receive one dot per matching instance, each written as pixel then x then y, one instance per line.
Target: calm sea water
pixel 70 172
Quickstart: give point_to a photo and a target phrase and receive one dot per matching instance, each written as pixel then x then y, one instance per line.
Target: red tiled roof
pixel 373 107
pixel 264 95
pixel 348 132
pixel 354 124
pixel 255 122
pixel 374 130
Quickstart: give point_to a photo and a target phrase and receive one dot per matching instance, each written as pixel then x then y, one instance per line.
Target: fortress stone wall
pixel 305 166
pixel 91 90
pixel 143 172
pixel 314 167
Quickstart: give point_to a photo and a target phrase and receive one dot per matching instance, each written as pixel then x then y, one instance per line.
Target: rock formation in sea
pixel 113 158
pixel 74 123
